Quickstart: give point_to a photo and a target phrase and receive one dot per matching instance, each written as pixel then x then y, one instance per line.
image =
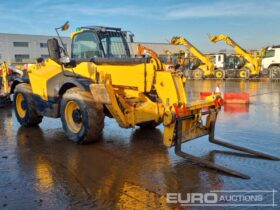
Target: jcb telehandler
pixel 252 64
pixel 102 79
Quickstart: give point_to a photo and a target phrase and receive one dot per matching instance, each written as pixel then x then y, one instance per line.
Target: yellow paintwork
pixel 242 73
pixel 75 33
pixel 19 99
pixel 218 74
pixel 127 91
pixel 5 80
pixel 171 91
pixel 207 65
pixel 253 62
pixel 40 74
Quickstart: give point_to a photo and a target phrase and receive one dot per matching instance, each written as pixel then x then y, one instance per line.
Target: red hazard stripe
pixel 176 110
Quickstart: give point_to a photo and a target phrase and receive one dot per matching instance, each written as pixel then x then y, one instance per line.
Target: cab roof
pixel 96 29
pixel 101 28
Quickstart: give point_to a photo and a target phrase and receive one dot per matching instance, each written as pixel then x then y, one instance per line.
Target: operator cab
pixel 270 52
pixel 96 44
pixel 99 42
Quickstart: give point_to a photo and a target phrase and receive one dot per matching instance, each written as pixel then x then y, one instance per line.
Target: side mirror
pixel 64 60
pixel 65 26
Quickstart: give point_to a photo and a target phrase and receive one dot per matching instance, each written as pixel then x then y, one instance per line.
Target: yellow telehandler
pixel 252 64
pixel 102 79
pixel 204 67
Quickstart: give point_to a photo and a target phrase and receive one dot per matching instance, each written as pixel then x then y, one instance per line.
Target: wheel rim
pixel 219 74
pixel 21 105
pixel 197 74
pixel 242 74
pixel 73 116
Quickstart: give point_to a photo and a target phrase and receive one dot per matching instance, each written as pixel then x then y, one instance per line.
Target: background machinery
pixel 102 79
pixel 271 62
pixel 201 68
pixel 178 59
pixel 9 73
pixel 145 51
pixel 226 64
pixel 252 64
pixel 4 85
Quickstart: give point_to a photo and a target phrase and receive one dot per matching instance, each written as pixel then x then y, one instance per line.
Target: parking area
pixel 131 168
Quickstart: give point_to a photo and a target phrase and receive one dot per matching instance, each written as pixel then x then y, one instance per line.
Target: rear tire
pixel 219 74
pixel 244 73
pixel 82 119
pixel 24 106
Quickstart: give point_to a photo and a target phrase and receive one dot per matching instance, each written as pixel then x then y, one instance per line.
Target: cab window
pixel 269 53
pixel 85 46
pixel 113 44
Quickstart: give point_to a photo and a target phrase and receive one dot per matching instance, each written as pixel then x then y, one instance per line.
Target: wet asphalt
pixel 130 168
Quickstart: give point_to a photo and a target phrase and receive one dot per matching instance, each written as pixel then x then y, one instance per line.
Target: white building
pixel 26 48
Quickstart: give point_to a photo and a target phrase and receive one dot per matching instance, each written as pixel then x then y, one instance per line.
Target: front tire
pixel 274 72
pixel 198 74
pixel 24 106
pixel 82 119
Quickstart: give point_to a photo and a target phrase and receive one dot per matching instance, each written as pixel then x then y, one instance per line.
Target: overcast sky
pixel 252 23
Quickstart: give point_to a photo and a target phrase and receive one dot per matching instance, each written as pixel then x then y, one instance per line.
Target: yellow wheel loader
pixel 102 79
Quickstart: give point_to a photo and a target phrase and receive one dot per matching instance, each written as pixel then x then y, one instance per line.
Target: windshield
pixel 85 46
pixel 269 53
pixel 114 44
pixel 108 44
